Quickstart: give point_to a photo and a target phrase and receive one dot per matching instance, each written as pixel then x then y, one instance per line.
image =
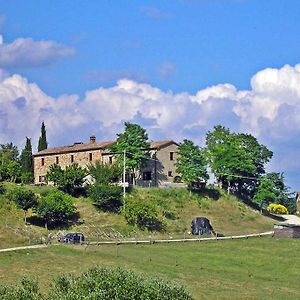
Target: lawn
pixel 257 268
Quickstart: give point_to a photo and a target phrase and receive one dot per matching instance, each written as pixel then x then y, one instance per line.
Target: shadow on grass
pixel 207 192
pixel 37 221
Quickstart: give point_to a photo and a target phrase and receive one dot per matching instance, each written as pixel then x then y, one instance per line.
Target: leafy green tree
pixel 69 180
pixel 9 165
pixel 56 207
pixel 283 194
pixel 265 193
pixel 24 198
pixel 134 141
pixel 103 191
pixel 237 160
pixel 55 175
pixel 191 163
pixel 13 170
pixel 43 139
pixel 11 151
pixel 26 157
pixel 105 173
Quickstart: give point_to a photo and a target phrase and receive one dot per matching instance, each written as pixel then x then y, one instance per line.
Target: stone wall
pixel 43 163
pixel 163 170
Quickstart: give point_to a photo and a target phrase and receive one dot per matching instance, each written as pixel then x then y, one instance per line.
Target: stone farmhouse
pixel 160 170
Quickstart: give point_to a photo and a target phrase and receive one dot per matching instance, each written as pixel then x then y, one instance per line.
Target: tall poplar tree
pixel 26 157
pixel 43 139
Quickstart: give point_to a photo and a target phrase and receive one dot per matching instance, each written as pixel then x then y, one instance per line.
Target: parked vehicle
pixel 73 237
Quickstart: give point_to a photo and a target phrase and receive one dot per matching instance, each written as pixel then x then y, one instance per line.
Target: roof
pixel 76 147
pixel 161 144
pixel 80 147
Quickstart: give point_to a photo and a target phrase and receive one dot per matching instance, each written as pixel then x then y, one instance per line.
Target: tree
pixel 191 163
pixel 134 141
pixel 69 180
pixel 26 157
pixel 24 198
pixel 265 193
pixel 9 165
pixel 103 191
pixel 56 207
pixel 283 194
pixel 10 150
pixel 105 173
pixel 43 139
pixel 237 160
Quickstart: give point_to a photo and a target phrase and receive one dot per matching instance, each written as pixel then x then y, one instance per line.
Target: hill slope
pixel 176 206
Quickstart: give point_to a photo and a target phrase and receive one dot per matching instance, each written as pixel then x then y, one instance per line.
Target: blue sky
pixel 186 65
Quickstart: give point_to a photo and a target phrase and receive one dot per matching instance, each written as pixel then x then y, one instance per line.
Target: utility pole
pixel 124 174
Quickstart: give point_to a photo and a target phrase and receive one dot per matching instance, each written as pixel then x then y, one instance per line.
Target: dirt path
pixel 23 248
pixel 291 219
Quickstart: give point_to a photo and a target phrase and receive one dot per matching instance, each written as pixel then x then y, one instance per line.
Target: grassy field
pixel 227 215
pixel 257 268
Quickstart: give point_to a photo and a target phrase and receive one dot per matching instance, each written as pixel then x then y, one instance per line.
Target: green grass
pixel 258 268
pixel 226 213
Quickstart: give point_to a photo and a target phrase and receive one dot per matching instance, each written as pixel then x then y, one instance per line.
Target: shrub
pixel 107 197
pixel 56 207
pixel 27 290
pixel 115 283
pixel 98 283
pixel 277 209
pixel 143 214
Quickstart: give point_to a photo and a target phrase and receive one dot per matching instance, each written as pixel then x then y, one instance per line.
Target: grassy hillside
pixel 257 268
pixel 177 207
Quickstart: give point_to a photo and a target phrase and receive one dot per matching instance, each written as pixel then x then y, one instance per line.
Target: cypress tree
pixel 26 157
pixel 43 139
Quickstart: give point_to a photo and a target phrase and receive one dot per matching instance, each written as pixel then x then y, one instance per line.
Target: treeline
pixel 237 161
pixel 16 167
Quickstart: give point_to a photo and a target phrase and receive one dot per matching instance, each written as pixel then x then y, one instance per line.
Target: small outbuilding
pixel 286 231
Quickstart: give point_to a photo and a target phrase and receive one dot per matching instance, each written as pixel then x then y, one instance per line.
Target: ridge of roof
pixel 80 147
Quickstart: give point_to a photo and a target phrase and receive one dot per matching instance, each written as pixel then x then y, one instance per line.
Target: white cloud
pixel 270 110
pixel 25 52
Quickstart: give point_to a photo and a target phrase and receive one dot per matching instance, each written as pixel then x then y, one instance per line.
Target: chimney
pixel 92 139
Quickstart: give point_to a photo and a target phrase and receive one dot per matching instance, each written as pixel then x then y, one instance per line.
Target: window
pixel 110 160
pixel 171 155
pixel 90 156
pixel 72 158
pixel 170 174
pixel 57 160
pixel 43 161
pixel 41 178
pixel 146 175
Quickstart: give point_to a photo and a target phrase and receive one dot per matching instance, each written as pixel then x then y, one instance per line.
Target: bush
pixel 111 283
pixel 107 197
pixel 99 283
pixel 56 207
pixel 143 214
pixel 277 209
pixel 27 290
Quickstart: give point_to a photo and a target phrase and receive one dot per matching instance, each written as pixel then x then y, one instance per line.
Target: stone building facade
pixel 160 170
